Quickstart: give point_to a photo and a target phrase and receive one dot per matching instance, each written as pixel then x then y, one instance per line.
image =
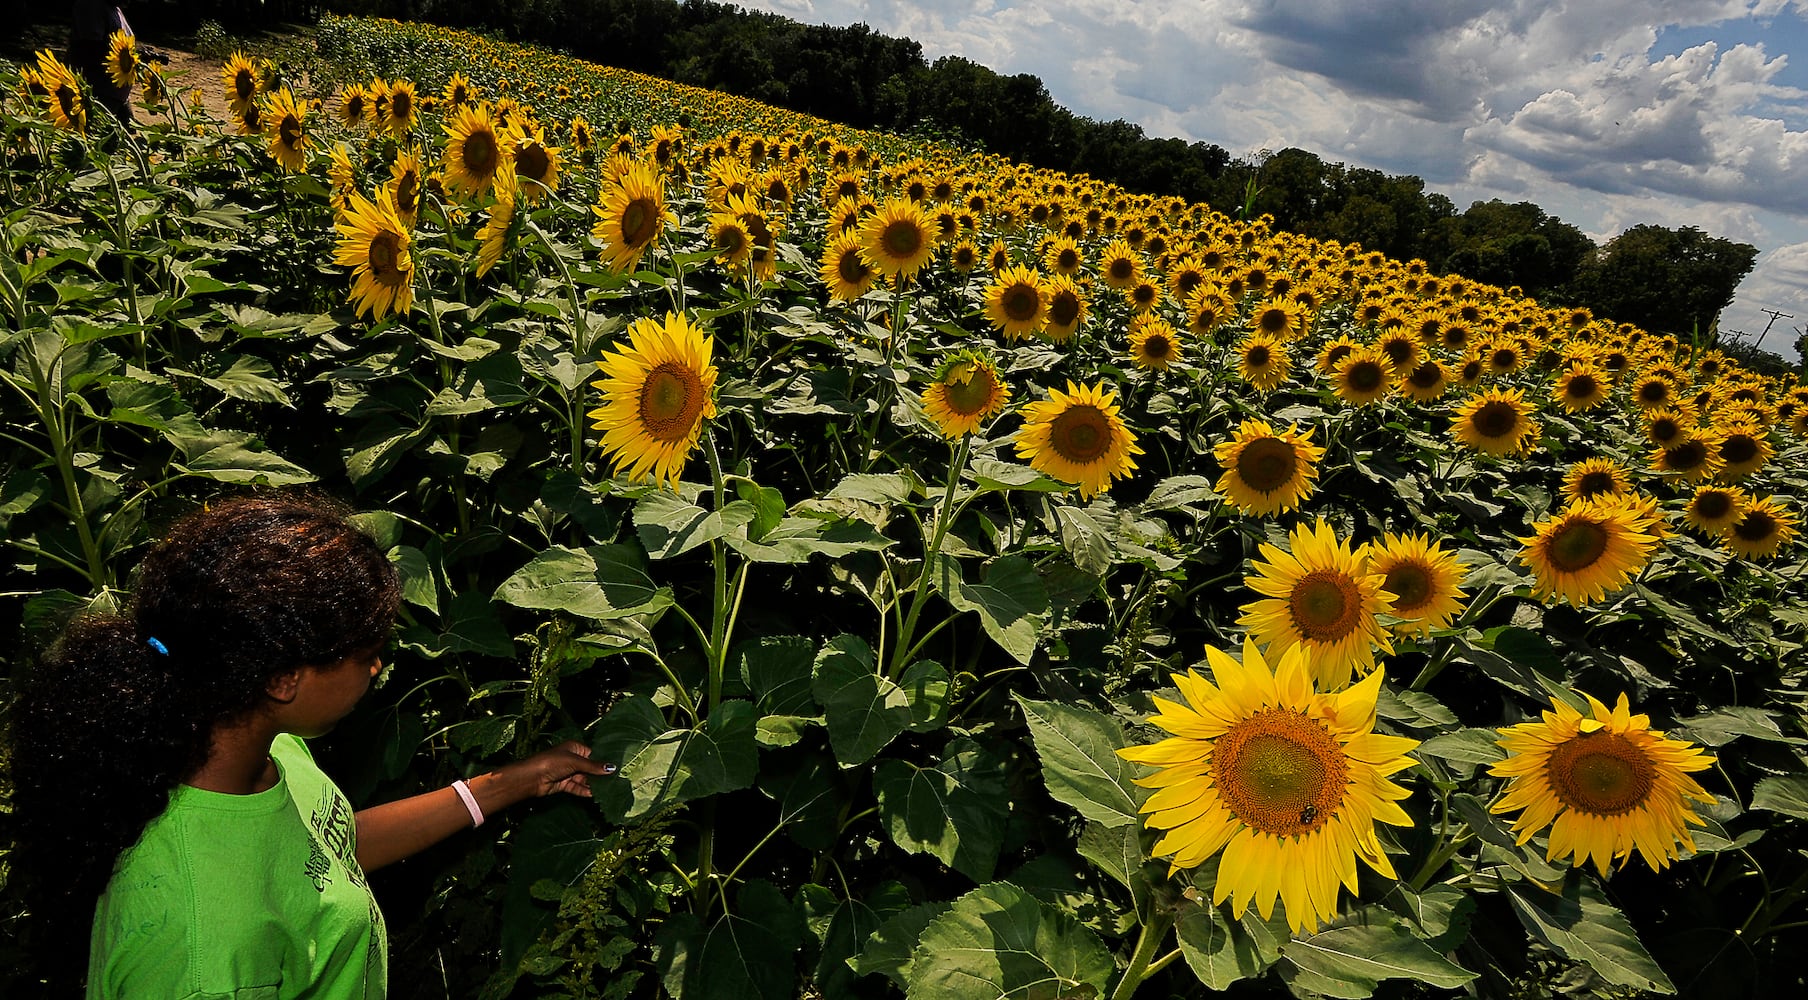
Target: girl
pixel 159 765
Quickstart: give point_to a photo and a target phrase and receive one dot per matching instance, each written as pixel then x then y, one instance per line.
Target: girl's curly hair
pixel 107 724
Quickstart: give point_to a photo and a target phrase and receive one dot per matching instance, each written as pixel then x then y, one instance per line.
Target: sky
pixel 1606 113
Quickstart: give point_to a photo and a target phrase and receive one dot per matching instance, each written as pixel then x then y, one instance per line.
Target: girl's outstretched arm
pixel 396 830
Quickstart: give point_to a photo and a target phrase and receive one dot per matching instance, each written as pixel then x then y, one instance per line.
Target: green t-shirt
pixel 243 897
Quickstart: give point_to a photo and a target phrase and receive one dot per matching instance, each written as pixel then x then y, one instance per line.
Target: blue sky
pixel 1608 113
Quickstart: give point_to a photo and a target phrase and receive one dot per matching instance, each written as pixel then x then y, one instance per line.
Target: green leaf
pixel 1078 749
pixel 890 948
pixel 1787 795
pixel 955 811
pixel 997 477
pixel 235 457
pixel 1118 852
pixel 556 843
pixel 1215 949
pixel 998 942
pixel 418 585
pixel 659 766
pixel 1359 956
pixel 1180 493
pixel 864 711
pixel 1528 649
pixel 768 505
pixel 1469 747
pixel 777 669
pixel 783 730
pixel 1088 537
pixel 1011 603
pixel 926 684
pixel 796 539
pixel 468 624
pixel 669 525
pixel 598 581
pixel 1722 726
pixel 852 923
pixel 749 952
pixel 1583 925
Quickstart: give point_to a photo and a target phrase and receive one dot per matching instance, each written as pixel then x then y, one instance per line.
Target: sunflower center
pixel 1664 429
pixel 401 106
pixel 1081 434
pixel 671 399
pixel 1365 376
pixel 1399 350
pixel 1122 269
pixel 1257 356
pixel 731 239
pixel 385 253
pixel 1581 387
pixel 1064 308
pixel 1324 605
pixel 479 153
pixel 243 84
pixel 1755 526
pixel 1504 360
pixel 1686 456
pixel 1020 303
pixel 639 222
pixel 533 162
pixel 1267 464
pixel 1713 505
pixel 1426 376
pixel 407 190
pixel 901 239
pixel 1280 772
pixel 1739 448
pixel 1577 545
pixel 1495 419
pixel 289 131
pixel 1158 347
pixel 974 395
pixel 1601 773
pixel 851 269
pixel 1144 294
pixel 1654 391
pixel 1594 483
pixel 1068 259
pixel 1410 583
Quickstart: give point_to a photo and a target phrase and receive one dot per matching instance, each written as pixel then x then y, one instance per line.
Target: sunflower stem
pixel 944 518
pixel 1141 967
pixel 721 613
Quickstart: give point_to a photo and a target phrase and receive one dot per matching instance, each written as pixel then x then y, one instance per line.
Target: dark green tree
pixel 1665 280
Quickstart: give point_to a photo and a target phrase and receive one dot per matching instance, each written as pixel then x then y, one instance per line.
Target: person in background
pixel 91 26
pixel 163 780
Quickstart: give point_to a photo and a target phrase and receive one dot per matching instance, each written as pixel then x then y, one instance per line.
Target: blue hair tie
pixel 157 644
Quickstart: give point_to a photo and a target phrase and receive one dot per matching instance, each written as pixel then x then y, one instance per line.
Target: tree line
pixel 1665 280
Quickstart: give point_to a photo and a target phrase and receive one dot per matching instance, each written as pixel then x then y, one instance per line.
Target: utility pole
pixel 1774 316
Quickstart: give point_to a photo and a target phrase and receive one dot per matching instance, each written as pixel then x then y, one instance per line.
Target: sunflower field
pixel 991 583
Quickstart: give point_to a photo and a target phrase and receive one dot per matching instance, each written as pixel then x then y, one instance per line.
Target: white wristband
pixel 470 801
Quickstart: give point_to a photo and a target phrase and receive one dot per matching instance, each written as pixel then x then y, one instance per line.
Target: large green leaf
pixel 597 581
pixel 1787 794
pixel 777 669
pixel 235 457
pixel 891 946
pixel 998 942
pixel 796 539
pixel 669 525
pixel 1012 601
pixel 1351 960
pixel 659 766
pixel 1217 951
pixel 1078 748
pixel 851 924
pixel 863 710
pixel 1583 925
pixel 955 811
pixel 994 476
pixel 749 953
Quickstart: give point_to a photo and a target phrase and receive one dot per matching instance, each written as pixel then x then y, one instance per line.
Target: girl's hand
pixel 564 768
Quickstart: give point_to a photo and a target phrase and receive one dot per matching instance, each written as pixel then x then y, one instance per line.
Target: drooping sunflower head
pixel 1154 343
pixel 1587 550
pixel 1286 779
pixel 1498 422
pixel 1426 581
pixel 1361 376
pixel 1078 437
pixel 1321 597
pixel 1605 784
pixel 1713 510
pixel 1593 477
pixel 1265 471
pixel 899 238
pixel 1762 530
pixel 1016 303
pixel 631 216
pixel 965 392
pixel 657 392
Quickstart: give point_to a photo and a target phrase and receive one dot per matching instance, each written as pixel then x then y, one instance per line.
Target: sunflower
pixel 403 105
pixel 1426 382
pixel 1652 391
pixel 1066 308
pixel 1262 361
pixel 374 243
pixel 1582 387
pixel 1361 377
pixel 1063 257
pixel 1401 349
pixel 656 394
pixel 762 237
pixel 964 393
pixel 1286 780
pixel 1078 437
pixel 405 186
pixel 239 78
pixel 898 238
pixel 1154 343
pixel 123 59
pixel 342 178
pixel 1587 550
pixel 998 257
pixel 1279 319
pixel 1605 784
pixel 493 237
pixel 1142 296
pixel 1762 530
pixel 1744 448
pixel 1206 309
pixel 631 217
pixel 1713 510
pixel 474 153
pixel 1694 457
pixel 1426 581
pixel 354 104
pixel 1266 472
pixel 1322 598
pixel 1498 421
pixel 285 126
pixel 845 270
pixel 1119 266
pixel 65 103
pixel 964 256
pixel 733 244
pixel 1016 303
pixel 1594 477
pixel 250 119
pixel 1666 427
pixel 459 91
pixel 534 160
